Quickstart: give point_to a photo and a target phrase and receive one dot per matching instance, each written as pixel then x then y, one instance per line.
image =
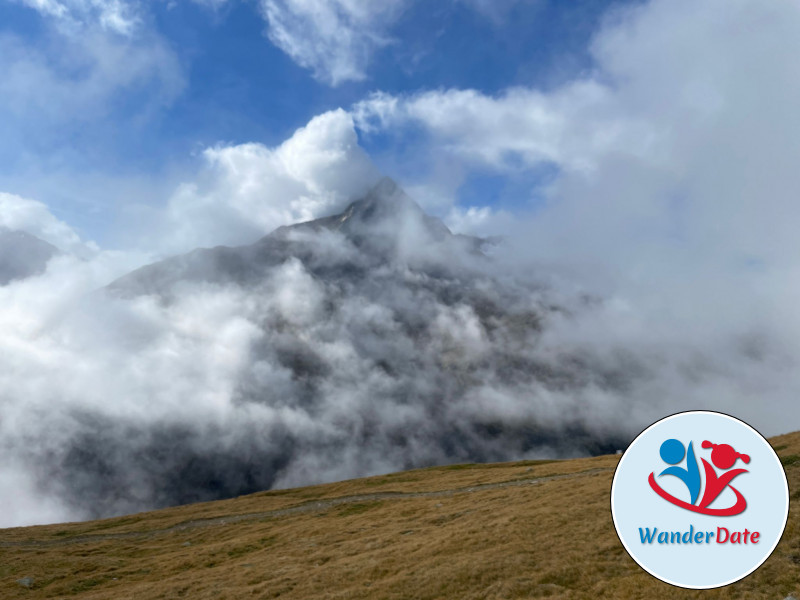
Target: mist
pixel 654 271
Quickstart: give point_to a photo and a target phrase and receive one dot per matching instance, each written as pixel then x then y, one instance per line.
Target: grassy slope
pixel 512 530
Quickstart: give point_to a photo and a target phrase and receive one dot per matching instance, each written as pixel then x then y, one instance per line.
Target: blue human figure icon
pixel 672 452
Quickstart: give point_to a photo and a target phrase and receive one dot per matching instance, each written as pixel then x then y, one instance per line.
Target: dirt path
pixel 305 507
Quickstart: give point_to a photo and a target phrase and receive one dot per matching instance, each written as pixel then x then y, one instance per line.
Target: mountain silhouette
pixel 383 227
pixel 22 255
pixel 376 340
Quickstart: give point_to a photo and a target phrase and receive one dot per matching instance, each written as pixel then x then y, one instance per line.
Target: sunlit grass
pixel 512 530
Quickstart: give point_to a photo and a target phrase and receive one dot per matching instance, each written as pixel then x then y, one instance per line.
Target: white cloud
pixel 519 127
pixel 22 214
pixel 471 220
pixel 674 194
pixel 683 134
pixel 118 16
pixel 79 71
pixel 335 39
pixel 86 74
pixel 247 190
pixel 27 506
pixel 61 92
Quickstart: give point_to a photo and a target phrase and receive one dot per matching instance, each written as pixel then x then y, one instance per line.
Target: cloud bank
pixel 654 270
pixel 376 342
pixel 671 158
pixel 672 195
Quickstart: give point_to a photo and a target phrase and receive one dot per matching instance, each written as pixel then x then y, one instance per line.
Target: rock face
pixel 380 341
pixel 22 255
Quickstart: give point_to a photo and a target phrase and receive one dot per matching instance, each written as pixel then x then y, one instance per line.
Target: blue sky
pixel 162 126
pixel 210 74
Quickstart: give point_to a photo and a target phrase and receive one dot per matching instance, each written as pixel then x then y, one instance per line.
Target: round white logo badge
pixel 699 499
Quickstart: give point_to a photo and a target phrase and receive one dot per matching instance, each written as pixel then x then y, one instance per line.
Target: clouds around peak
pixel 671 193
pixel 670 139
pixel 244 191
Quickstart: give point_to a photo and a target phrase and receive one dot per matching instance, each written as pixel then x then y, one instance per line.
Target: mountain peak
pixel 383 226
pixel 385 199
pixel 385 187
pixel 387 210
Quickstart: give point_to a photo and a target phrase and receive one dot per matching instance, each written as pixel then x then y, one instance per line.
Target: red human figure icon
pixel 724 457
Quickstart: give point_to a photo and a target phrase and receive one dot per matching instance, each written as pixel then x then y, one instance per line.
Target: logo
pixel 723 456
pixel 699 499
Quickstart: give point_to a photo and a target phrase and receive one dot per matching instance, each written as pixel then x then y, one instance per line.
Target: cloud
pixel 107 88
pixel 667 138
pixel 335 39
pixel 672 194
pixel 117 16
pixel 656 273
pixel 520 127
pixel 66 98
pixel 247 190
pixel 22 214
pixel 365 356
pixel 87 74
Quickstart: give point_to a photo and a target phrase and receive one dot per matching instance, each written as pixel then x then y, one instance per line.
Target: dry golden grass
pixel 511 530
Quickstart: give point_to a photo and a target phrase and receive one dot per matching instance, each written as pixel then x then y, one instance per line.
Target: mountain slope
pixel 369 341
pixel 512 530
pixel 22 255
